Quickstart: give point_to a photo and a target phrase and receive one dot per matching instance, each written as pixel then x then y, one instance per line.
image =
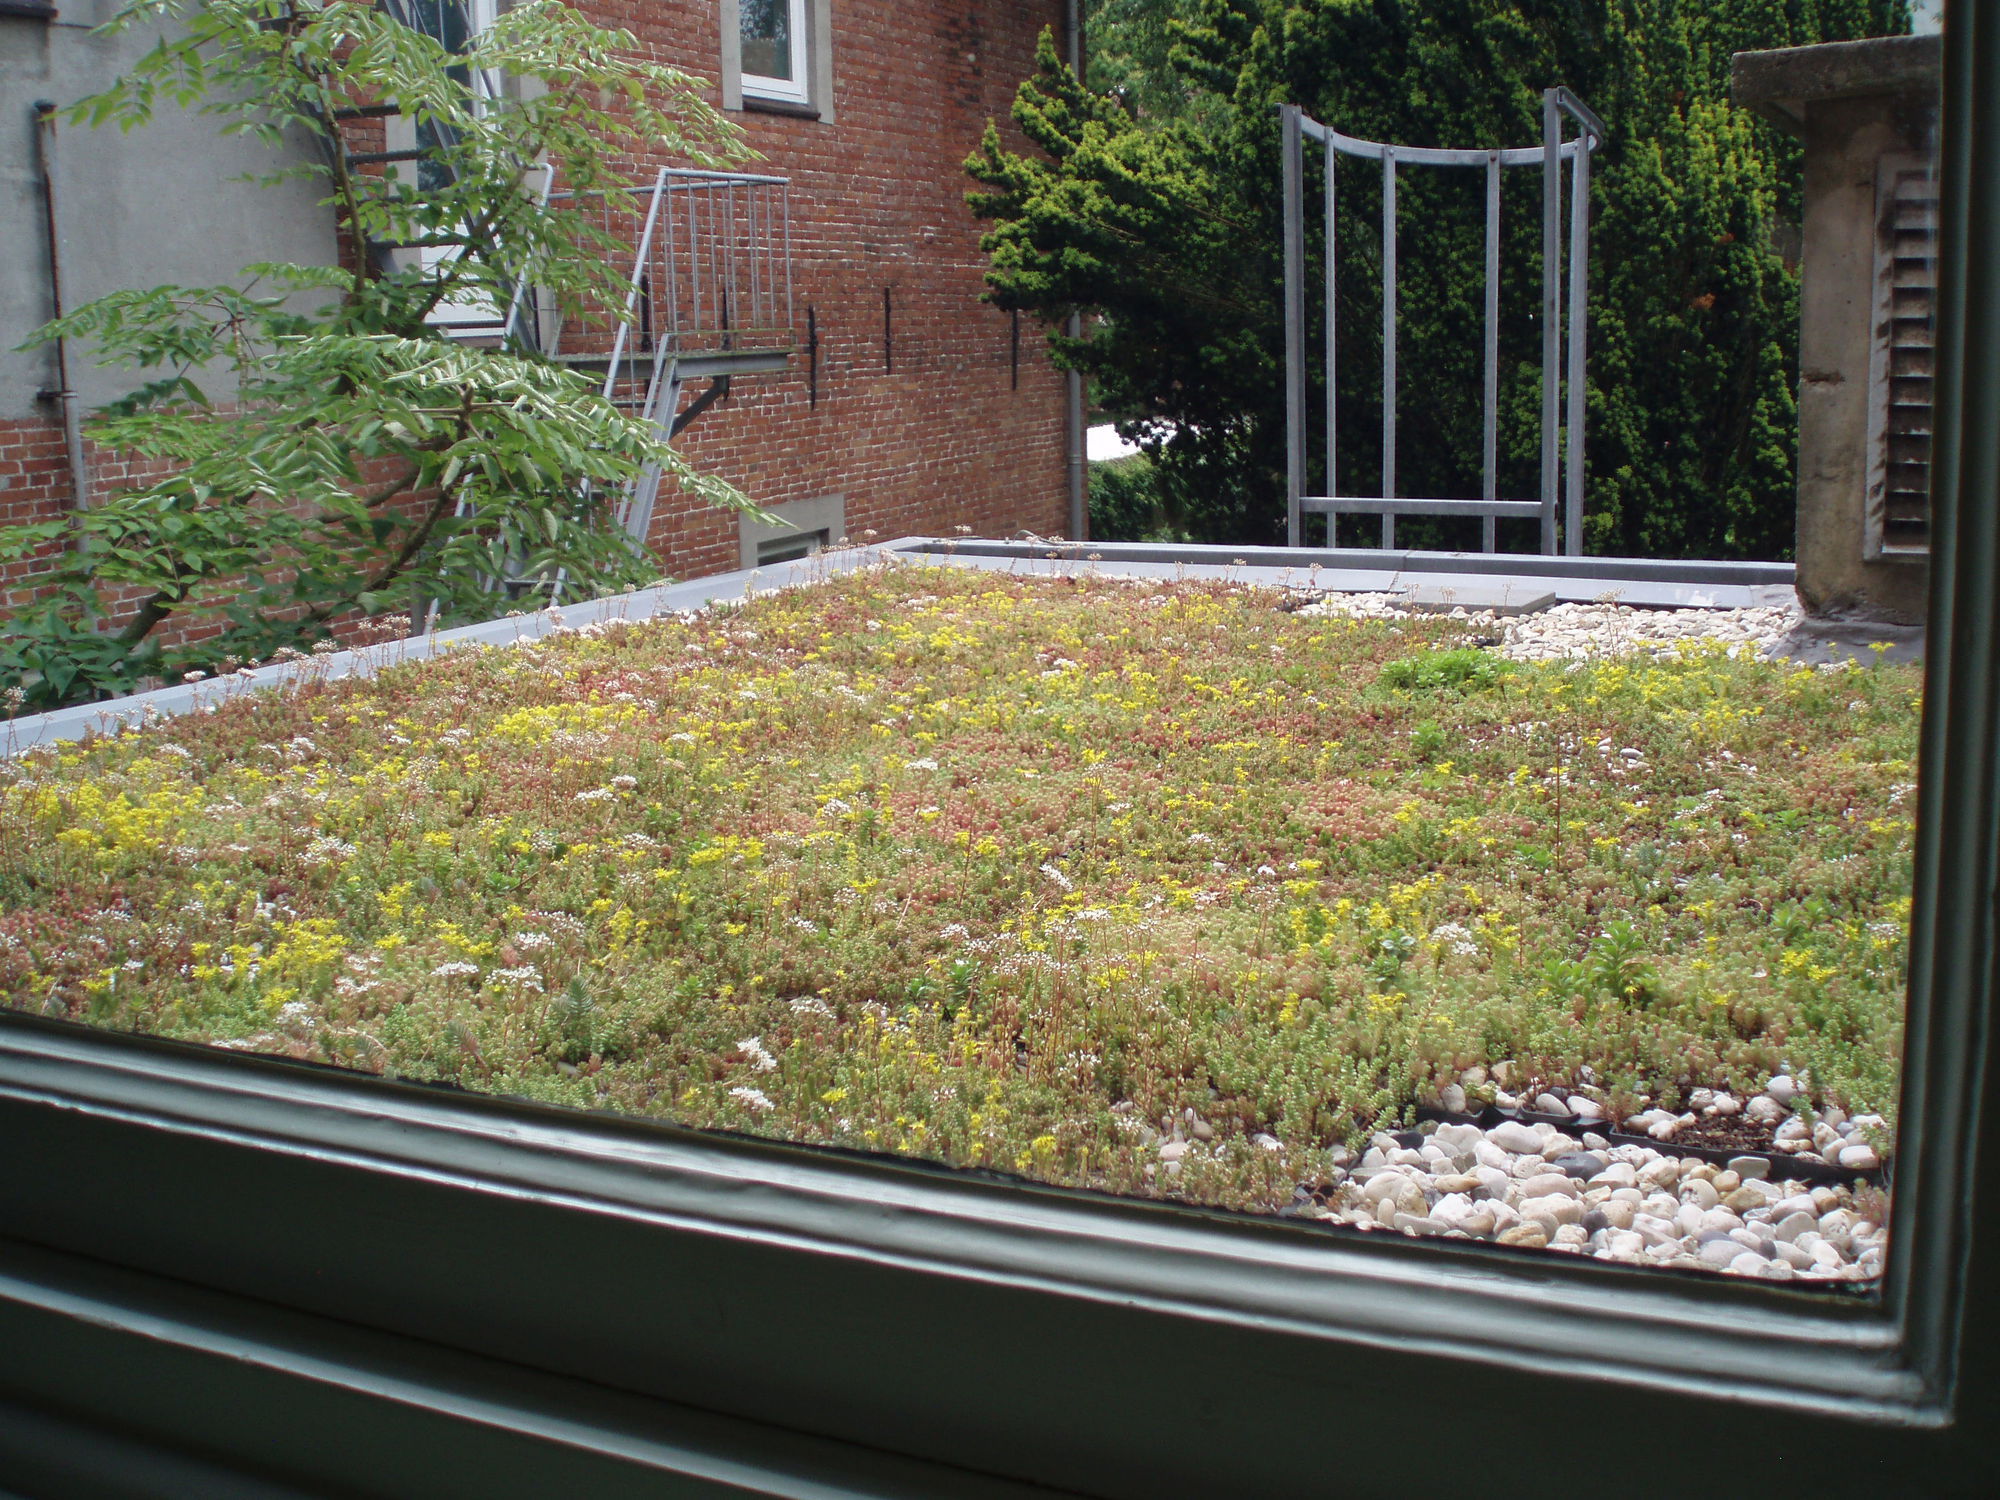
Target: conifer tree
pixel 1154 211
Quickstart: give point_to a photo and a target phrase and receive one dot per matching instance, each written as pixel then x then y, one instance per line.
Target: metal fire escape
pixel 709 296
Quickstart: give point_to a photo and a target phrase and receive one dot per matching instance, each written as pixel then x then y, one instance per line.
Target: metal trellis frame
pixel 1562 421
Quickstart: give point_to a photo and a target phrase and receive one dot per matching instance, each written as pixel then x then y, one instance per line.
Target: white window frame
pixel 793 90
pixel 811 93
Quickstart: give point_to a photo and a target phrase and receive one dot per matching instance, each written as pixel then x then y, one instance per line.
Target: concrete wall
pixel 1845 141
pixel 152 206
pixel 1853 104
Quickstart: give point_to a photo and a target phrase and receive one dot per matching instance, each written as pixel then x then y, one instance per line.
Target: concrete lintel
pixel 1779 84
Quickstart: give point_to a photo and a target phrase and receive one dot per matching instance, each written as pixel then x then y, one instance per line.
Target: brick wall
pixel 950 435
pixel 957 433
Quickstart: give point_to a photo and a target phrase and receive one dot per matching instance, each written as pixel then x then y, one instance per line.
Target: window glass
pixel 790 548
pixel 1560 911
pixel 774 45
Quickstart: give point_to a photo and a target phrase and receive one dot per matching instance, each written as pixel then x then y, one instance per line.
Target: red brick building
pixel 921 408
pixel 907 404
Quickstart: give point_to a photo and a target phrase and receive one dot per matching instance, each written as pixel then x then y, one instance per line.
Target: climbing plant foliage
pixel 324 451
pixel 1151 205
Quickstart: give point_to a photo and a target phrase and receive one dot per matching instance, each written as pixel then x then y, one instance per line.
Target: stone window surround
pixel 818 42
pixel 827 513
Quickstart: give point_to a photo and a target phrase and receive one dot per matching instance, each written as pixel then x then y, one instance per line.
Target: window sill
pixel 874 1296
pixel 763 105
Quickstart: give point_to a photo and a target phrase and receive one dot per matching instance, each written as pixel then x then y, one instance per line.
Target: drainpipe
pixel 79 470
pixel 1079 510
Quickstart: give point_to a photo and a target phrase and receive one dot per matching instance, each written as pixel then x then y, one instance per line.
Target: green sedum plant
pixel 324 451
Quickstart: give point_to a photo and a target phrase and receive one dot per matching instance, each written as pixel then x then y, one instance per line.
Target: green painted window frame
pixel 230 1275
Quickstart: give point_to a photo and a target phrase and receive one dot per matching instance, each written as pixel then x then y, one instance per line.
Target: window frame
pixel 222 1258
pixel 813 96
pixel 788 90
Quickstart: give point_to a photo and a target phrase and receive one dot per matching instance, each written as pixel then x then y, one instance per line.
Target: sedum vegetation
pixel 999 871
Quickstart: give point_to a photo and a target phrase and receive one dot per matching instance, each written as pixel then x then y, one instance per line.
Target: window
pixel 805 527
pixel 220 1260
pixel 776 56
pixel 790 548
pixel 774 48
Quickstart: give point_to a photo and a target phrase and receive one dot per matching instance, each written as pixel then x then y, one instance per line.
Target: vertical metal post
pixel 1551 305
pixel 753 252
pixel 1332 483
pixel 732 301
pixel 1295 359
pixel 1489 483
pixel 694 256
pixel 1579 315
pixel 662 198
pixel 1388 340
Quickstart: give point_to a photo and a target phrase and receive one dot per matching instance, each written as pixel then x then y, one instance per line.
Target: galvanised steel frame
pixel 1562 426
pixel 709 297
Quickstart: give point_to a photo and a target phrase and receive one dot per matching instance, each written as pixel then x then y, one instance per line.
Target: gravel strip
pixel 1540 1187
pixel 1568 632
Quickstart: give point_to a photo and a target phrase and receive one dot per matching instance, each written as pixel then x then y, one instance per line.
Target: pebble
pixel 1546 1184
pixel 1764 1110
pixel 1512 1135
pixel 1549 1104
pixel 1451 1098
pixel 1533 1186
pixel 1783 1089
pixel 1575 631
pixel 1583 1165
pixel 1859 1158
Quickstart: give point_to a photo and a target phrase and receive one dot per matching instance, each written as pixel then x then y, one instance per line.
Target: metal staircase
pixel 709 298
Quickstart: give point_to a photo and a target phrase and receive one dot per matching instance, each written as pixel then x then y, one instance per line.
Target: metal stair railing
pixel 709 297
pixel 1562 425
